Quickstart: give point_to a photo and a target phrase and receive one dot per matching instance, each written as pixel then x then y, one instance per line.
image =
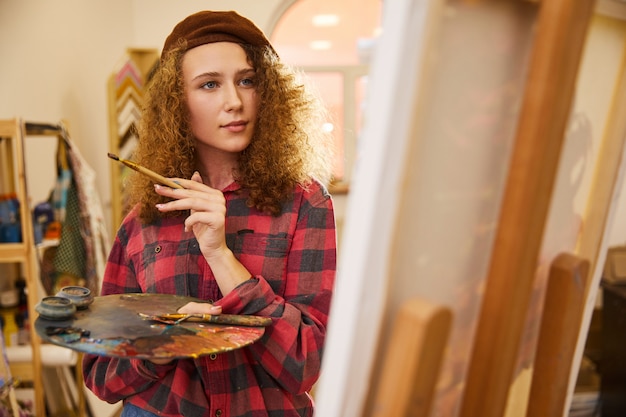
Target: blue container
pixel 11 233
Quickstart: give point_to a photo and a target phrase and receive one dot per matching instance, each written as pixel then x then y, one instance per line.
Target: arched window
pixel 332 40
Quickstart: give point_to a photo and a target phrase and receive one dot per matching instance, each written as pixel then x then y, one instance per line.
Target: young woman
pixel 251 232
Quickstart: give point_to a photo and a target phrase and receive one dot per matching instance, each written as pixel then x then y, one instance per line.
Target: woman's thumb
pixel 196 177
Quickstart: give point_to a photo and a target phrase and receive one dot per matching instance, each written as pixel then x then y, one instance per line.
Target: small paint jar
pixel 55 308
pixel 80 296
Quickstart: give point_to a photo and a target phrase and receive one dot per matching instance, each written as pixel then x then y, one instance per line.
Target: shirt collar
pixel 233 186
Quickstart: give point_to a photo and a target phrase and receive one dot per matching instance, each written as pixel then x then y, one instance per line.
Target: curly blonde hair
pixel 289 146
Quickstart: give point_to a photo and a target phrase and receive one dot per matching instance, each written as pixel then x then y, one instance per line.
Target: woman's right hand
pixel 192 308
pixel 200 308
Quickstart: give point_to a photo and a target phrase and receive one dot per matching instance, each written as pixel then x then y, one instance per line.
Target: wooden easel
pixel 560 324
pixel 411 365
pixel 544 115
pixel 559 33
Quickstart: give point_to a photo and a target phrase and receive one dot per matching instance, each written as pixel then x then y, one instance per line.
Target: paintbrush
pixel 153 175
pixel 232 319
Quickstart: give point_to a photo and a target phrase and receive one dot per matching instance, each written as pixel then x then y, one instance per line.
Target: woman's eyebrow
pixel 217 74
pixel 210 74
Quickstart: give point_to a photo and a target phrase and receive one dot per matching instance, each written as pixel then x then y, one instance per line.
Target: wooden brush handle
pixel 236 320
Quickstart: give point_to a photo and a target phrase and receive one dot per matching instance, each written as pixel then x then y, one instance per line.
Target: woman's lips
pixel 235 127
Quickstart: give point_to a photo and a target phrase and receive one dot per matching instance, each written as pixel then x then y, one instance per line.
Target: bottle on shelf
pixel 43 216
pixel 10 227
pixel 9 329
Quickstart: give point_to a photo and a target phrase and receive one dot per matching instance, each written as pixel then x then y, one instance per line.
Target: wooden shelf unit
pixel 12 133
pixel 125 88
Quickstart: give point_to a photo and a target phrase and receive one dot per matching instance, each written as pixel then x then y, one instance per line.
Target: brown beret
pixel 215 26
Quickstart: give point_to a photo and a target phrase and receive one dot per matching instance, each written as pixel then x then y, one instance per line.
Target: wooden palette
pixel 112 326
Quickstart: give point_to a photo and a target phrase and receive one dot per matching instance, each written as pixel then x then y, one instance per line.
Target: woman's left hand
pixel 207 208
pixel 207 220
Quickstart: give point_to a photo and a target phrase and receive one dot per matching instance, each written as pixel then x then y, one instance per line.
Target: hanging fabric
pixel 80 255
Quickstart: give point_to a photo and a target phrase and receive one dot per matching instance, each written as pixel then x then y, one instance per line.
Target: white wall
pixel 154 19
pixel 56 57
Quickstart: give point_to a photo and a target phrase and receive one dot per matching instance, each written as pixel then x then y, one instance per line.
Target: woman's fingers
pixel 207 211
pixel 199 308
pixel 193 196
pixel 195 183
pixel 194 203
pixel 206 200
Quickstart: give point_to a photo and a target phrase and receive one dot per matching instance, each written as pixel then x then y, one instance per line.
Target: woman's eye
pixel 209 85
pixel 248 82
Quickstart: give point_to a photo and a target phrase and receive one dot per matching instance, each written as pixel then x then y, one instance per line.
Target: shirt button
pixel 213 356
pixel 218 413
pixel 157 249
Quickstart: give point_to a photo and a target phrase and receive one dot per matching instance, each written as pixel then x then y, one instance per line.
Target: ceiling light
pixel 321 20
pixel 320 45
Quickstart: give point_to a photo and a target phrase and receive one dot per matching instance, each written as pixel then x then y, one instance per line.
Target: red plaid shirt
pixel 292 258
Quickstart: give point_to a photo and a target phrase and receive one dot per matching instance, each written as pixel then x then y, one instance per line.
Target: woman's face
pixel 220 89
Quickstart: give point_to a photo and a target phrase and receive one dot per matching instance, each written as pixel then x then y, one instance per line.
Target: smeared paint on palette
pixel 112 326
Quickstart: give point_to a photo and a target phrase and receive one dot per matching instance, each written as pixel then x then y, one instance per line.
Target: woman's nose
pixel 232 101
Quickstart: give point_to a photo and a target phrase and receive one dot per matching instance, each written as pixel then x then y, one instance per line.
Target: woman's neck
pixel 217 173
pixel 216 167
